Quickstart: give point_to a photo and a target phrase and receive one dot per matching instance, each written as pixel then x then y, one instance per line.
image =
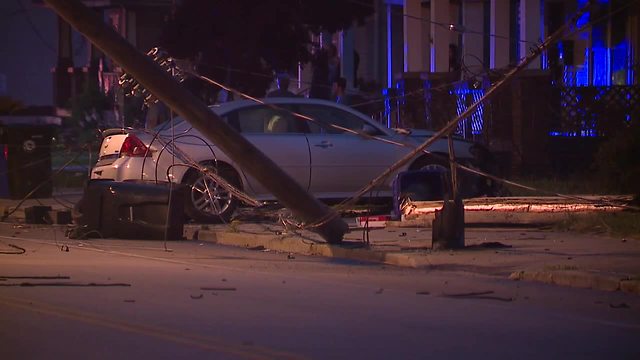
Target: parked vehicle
pixel 328 161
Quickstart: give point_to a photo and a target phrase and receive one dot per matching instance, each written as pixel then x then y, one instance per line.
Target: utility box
pixel 25 156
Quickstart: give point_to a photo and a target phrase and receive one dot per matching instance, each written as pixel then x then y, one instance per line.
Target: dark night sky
pixel 28 44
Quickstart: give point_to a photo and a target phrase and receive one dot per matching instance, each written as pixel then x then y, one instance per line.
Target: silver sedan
pixel 333 155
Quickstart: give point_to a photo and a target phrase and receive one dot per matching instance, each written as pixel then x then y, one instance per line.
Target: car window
pixel 263 120
pixel 326 115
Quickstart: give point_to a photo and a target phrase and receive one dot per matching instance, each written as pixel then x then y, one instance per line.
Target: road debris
pixel 66 284
pixel 218 289
pixel 19 252
pixel 481 295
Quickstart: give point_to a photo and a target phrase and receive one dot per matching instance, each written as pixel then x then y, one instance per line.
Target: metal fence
pixel 582 111
pixel 595 110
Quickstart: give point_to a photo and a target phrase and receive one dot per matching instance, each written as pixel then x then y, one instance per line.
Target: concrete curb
pixel 300 246
pixel 580 279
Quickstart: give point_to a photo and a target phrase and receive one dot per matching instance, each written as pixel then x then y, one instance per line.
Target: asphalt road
pixel 120 299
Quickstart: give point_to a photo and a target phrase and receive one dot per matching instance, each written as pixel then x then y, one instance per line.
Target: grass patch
pixel 582 184
pixel 619 224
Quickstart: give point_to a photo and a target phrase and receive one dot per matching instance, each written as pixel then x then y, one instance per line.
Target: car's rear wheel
pixel 468 183
pixel 207 201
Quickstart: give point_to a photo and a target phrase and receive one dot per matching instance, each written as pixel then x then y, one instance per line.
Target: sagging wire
pixel 299 115
pixel 188 162
pixel 24 166
pixel 34 190
pixel 457 28
pixel 181 154
pixel 28 165
pixel 173 162
pixel 451 27
pixel 67 204
pixel 446 130
pixel 168 64
pixel 534 52
pixel 222 182
pixel 375 100
pixel 20 251
pixel 147 152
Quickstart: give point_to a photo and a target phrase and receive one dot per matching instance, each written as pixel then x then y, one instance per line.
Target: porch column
pixel 65 52
pixel 472 38
pixel 530 29
pixel 414 56
pixel 499 37
pixel 634 20
pixel 440 36
pixel 347 57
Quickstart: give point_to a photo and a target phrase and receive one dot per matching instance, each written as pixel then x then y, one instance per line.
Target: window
pixel 264 120
pixel 326 115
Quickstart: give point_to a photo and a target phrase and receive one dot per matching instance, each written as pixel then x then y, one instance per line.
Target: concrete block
pixel 37 215
pixel 58 217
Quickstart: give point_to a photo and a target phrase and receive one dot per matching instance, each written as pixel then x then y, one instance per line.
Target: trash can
pixel 25 159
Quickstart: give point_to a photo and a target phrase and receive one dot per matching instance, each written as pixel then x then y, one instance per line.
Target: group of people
pixel 326 82
pixel 338 89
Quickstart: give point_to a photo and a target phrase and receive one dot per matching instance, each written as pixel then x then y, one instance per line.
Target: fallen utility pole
pixel 246 155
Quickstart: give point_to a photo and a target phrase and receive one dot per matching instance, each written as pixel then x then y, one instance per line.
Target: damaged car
pixel 331 150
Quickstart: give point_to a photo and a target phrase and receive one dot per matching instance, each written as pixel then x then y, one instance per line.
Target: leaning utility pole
pixel 308 209
pixel 449 237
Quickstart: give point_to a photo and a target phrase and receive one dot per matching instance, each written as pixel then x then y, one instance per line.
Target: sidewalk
pixel 522 254
pixel 529 254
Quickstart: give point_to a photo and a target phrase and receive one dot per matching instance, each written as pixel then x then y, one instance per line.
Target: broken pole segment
pixel 164 87
pixel 448 226
pixel 448 223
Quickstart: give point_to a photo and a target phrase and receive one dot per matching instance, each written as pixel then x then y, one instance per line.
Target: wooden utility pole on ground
pixel 146 72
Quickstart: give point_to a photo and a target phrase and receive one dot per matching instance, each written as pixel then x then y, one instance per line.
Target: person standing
pixel 333 63
pixel 282 81
pixel 320 85
pixel 339 91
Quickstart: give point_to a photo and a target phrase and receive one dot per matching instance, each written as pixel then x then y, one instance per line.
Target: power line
pixel 459 28
pixel 33 27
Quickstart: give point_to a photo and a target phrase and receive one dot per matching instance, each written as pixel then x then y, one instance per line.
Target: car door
pixel 275 132
pixel 341 162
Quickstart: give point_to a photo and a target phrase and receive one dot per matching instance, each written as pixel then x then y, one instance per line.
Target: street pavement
pixel 131 299
pixel 593 261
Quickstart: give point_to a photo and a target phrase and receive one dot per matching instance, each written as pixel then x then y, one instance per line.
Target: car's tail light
pixel 134 147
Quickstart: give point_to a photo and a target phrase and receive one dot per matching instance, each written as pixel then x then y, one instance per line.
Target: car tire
pixel 429 162
pixel 468 183
pixel 206 200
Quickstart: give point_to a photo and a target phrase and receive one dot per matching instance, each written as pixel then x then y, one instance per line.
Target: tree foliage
pixel 617 161
pixel 242 42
